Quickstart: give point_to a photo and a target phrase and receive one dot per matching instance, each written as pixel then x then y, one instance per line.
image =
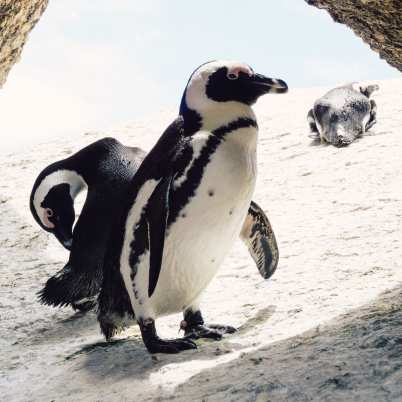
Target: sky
pixel 93 65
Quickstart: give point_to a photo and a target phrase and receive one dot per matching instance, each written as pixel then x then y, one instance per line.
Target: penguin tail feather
pixel 115 312
pixel 67 287
pixel 109 327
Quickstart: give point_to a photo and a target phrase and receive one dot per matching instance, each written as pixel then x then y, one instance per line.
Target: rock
pixel 377 22
pixel 17 18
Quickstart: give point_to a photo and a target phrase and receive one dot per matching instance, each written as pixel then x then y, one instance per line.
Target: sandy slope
pixel 337 215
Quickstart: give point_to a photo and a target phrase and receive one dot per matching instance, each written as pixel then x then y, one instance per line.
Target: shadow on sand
pixel 357 356
pixel 129 358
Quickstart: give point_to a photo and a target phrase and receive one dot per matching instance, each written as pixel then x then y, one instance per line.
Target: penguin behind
pixel 103 168
pixel 186 205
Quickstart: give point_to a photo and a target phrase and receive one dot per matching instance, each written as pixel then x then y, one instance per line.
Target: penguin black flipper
pixel 115 308
pixel 157 216
pixel 258 236
pixel 81 278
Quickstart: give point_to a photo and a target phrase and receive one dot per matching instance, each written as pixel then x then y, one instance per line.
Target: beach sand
pixel 326 326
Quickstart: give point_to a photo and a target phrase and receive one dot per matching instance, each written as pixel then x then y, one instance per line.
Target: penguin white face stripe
pixel 196 97
pixel 197 148
pixel 75 180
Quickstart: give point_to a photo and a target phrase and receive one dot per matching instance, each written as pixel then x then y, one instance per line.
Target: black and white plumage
pixel 105 168
pixel 260 239
pixel 185 207
pixel 343 114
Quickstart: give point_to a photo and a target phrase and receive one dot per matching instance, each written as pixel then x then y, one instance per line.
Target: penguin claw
pixel 213 331
pixel 154 344
pixel 170 346
pixel 224 329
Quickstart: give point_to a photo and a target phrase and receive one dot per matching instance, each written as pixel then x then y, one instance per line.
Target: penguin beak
pixel 65 238
pixel 269 85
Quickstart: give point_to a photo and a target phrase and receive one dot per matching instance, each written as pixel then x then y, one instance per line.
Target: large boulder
pixel 17 18
pixel 377 22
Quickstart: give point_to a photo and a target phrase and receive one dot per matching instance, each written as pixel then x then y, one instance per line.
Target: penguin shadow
pixel 78 316
pixel 337 356
pixel 259 318
pixel 317 143
pixel 60 329
pixel 128 357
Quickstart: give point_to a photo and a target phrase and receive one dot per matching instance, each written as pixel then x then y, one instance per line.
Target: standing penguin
pixel 343 114
pixel 105 168
pixel 186 205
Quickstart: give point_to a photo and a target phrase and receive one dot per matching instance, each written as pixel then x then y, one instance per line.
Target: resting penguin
pixel 343 114
pixel 185 207
pixel 105 168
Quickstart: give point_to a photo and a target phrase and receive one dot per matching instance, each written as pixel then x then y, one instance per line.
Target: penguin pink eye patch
pixel 47 213
pixel 233 72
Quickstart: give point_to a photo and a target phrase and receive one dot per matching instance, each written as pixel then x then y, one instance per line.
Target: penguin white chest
pixel 202 235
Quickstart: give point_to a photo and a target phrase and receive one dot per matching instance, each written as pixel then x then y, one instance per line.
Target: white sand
pixel 337 215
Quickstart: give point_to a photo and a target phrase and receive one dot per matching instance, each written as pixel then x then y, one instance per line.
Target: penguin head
pixel 367 90
pixel 52 204
pixel 226 82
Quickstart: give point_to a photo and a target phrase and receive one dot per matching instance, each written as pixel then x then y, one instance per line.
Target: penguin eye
pixel 232 76
pixel 48 212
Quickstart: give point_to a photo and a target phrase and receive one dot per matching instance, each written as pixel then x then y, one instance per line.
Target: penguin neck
pixel 49 179
pixel 75 180
pixel 220 114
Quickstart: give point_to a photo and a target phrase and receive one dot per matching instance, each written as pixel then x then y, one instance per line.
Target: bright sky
pixel 90 65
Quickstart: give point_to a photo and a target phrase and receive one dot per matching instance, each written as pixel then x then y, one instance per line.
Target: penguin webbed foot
pixel 212 331
pixel 158 345
pixel 154 344
pixel 194 327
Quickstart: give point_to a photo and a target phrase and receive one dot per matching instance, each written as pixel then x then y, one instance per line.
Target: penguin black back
pixel 190 196
pixel 105 168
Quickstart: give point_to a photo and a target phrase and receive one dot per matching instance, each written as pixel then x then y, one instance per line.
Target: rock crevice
pixel 377 22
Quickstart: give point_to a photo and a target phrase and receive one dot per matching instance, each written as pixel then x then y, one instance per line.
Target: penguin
pixel 105 169
pixel 113 165
pixel 185 206
pixel 343 114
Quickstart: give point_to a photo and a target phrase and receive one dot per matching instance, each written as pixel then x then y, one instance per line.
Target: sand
pixel 337 215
